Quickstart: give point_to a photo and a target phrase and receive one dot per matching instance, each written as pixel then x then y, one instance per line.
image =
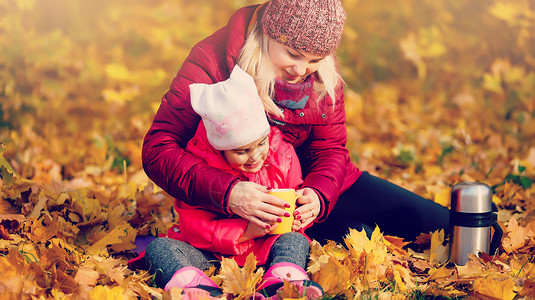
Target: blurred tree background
pixel 437 92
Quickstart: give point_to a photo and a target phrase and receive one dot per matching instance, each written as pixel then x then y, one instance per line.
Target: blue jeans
pixel 165 256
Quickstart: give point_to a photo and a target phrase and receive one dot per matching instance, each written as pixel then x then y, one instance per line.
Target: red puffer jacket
pixel 317 131
pixel 219 233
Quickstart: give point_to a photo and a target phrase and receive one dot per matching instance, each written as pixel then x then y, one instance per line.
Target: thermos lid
pixel 471 197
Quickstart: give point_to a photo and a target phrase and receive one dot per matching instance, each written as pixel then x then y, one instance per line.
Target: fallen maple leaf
pixel 490 288
pixel 516 236
pixel 439 252
pixel 442 274
pixel 107 293
pixel 395 245
pixel 120 238
pixel 240 282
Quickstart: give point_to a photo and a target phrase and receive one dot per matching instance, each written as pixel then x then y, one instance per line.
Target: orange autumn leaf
pixel 395 245
pixel 528 289
pixel 516 237
pixel 489 288
pixel 86 276
pixel 472 269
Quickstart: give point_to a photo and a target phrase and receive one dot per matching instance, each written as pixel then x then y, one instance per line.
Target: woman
pixel 234 135
pixel 287 46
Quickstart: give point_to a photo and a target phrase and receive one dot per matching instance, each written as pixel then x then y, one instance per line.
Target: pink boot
pixel 280 272
pixel 195 284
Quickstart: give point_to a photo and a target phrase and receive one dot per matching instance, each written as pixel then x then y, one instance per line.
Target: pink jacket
pixel 317 131
pixel 219 233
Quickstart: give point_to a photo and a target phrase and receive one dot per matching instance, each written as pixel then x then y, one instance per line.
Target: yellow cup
pixel 289 196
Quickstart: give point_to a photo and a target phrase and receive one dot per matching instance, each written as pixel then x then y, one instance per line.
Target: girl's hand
pixel 254 231
pixel 252 202
pixel 308 208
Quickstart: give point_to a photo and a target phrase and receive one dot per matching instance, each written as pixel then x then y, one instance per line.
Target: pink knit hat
pixel 231 110
pixel 313 26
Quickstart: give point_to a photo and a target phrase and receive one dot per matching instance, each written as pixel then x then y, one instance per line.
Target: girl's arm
pixel 208 231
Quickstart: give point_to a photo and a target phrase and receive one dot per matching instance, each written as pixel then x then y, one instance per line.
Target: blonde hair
pixel 254 60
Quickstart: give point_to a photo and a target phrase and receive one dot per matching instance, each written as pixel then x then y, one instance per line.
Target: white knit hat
pixel 231 110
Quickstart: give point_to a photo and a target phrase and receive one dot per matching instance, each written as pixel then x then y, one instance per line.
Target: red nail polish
pixel 268 227
pixel 287 215
pixel 287 205
pixel 269 188
pixel 296 213
pixel 279 220
pixel 298 217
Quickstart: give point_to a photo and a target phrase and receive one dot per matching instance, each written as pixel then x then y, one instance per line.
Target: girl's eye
pixel 240 152
pixel 293 55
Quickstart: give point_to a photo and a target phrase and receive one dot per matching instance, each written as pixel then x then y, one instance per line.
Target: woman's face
pixel 292 65
pixel 249 158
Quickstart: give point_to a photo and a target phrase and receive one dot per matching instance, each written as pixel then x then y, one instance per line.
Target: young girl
pixel 288 47
pixel 234 136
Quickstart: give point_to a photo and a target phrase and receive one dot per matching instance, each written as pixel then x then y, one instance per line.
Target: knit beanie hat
pixel 231 110
pixel 313 26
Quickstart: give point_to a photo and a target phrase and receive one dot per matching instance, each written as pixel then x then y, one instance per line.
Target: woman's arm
pixel 189 178
pixel 178 172
pixel 325 159
pixel 166 162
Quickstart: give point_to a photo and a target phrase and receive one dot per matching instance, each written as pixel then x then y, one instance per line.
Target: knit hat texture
pixel 313 26
pixel 231 110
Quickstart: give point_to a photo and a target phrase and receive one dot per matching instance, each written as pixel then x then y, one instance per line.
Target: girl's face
pixel 249 158
pixel 292 65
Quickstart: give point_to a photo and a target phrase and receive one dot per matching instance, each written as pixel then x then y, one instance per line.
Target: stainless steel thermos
pixel 472 215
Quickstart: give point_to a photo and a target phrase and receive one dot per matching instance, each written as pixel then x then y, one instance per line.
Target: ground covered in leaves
pixel 438 92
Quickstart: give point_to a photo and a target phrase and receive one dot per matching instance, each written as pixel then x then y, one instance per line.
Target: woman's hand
pixel 308 208
pixel 252 202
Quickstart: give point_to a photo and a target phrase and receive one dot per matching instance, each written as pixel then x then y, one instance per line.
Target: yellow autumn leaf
pixel 433 171
pixel 25 4
pixel 353 104
pixel 411 53
pixel 324 277
pixel 443 197
pixel 441 274
pixel 356 241
pixel 240 281
pixel 430 42
pixel 496 200
pixel 438 252
pixel 404 278
pixel 508 12
pixel 117 71
pixel 515 74
pixel 120 238
pixel 493 83
pixel 107 293
pixel 122 95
